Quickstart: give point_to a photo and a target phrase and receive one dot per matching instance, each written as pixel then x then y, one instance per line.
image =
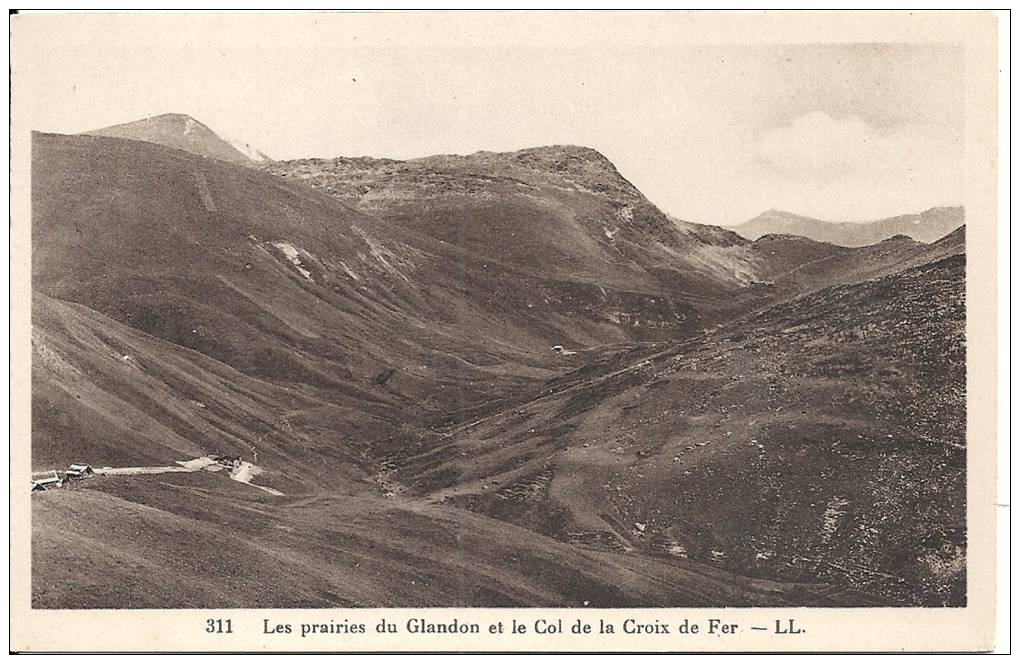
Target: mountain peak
pixel 899 238
pixel 551 157
pixel 171 117
pixel 564 149
pixel 170 120
pixel 568 165
pixel 183 132
pixel 776 214
pixel 563 158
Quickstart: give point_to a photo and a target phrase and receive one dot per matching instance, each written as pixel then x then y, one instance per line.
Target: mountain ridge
pixel 927 226
pixel 186 133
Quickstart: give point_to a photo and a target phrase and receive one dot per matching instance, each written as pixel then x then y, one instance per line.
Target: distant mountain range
pixel 928 226
pixel 185 133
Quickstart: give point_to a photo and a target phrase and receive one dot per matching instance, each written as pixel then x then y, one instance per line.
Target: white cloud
pixel 817 143
pixel 843 167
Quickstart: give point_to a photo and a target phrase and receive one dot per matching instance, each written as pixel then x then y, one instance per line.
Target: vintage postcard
pixel 503 330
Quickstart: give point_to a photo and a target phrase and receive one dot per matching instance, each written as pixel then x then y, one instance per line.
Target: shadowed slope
pixel 804 442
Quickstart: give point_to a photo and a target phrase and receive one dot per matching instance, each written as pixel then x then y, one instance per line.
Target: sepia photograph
pixel 324 321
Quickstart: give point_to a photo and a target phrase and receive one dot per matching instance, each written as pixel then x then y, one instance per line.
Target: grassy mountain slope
pixel 116 543
pixel 804 442
pixel 283 283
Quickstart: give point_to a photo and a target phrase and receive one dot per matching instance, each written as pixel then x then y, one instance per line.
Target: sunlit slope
pixel 184 133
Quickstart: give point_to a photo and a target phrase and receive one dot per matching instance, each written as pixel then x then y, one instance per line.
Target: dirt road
pixel 188 466
pixel 242 473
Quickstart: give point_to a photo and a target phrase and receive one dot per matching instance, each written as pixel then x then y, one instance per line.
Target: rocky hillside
pixel 822 439
pixel 562 210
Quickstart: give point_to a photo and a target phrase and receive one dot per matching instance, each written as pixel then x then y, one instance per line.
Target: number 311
pixel 219 626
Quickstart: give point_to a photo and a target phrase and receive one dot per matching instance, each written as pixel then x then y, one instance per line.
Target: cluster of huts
pixel 228 461
pixel 53 479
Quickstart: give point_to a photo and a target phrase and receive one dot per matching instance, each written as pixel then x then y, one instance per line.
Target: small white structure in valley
pixel 79 471
pixel 47 481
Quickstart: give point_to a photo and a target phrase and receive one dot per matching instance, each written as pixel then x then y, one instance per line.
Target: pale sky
pixel 710 133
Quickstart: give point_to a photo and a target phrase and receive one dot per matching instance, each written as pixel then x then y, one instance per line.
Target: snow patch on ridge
pixel 293 254
pixel 248 150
